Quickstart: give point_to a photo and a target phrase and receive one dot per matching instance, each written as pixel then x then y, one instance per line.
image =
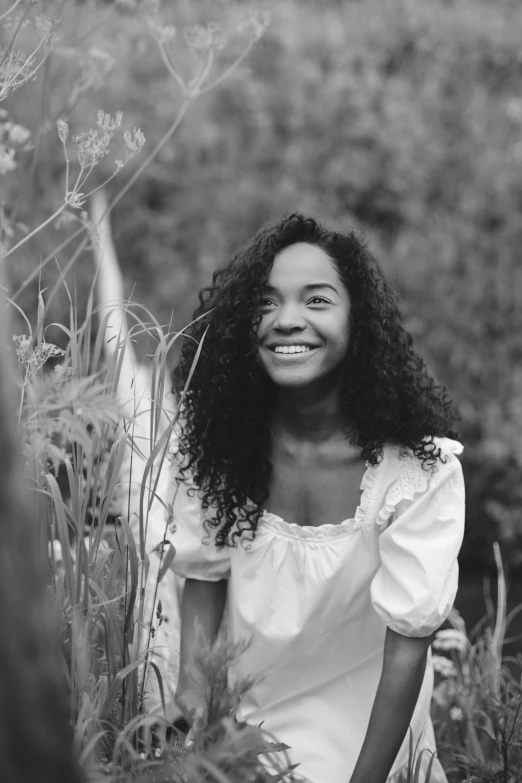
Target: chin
pixel 287 382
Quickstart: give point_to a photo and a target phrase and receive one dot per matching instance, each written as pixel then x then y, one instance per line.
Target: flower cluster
pixel 32 359
pixel 162 33
pixel 201 37
pixel 16 66
pixel 444 666
pixel 94 144
pixel 451 639
pixel 255 25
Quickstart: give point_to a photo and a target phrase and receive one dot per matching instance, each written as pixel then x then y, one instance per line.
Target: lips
pixel 294 354
pixel 296 343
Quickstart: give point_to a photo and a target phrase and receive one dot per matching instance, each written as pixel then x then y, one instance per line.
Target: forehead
pixel 302 264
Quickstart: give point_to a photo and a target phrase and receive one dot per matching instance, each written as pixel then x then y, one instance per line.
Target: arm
pixel 401 679
pixel 203 603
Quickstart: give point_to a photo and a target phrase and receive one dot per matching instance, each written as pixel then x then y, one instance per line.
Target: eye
pixel 321 299
pixel 265 302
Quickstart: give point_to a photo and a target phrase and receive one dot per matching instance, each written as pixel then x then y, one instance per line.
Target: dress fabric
pixel 315 603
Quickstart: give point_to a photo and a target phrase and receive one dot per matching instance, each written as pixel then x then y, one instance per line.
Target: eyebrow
pixel 308 287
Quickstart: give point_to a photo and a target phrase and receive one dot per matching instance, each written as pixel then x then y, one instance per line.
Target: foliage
pixel 415 108
pixel 477 704
pixel 403 117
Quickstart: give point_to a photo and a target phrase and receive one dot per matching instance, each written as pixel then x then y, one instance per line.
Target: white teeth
pixel 292 348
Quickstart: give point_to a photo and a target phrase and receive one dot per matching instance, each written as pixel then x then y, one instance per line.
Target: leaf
pixel 166 561
pixel 116 685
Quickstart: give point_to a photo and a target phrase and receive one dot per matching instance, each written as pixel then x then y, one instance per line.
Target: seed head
pixel 162 33
pixel 198 37
pixel 133 142
pixel 63 130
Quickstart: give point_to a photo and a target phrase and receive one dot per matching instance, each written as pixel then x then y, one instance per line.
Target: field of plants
pixel 189 124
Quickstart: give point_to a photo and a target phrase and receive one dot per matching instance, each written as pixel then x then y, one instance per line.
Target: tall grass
pixel 96 430
pixel 477 704
pixel 78 433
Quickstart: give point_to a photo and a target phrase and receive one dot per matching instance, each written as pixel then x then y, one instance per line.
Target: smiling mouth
pixel 298 350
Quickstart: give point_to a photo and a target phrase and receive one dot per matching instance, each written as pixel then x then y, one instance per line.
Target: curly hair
pixel 386 390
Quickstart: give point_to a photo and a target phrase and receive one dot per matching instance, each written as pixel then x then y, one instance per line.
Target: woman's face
pixel 304 331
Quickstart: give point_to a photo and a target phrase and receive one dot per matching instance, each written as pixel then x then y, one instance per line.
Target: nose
pixel 289 317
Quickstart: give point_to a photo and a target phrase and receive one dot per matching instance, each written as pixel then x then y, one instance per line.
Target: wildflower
pixel 451 639
pixel 197 36
pixel 63 373
pixel 161 32
pixel 444 666
pixel 94 144
pixel 24 349
pixel 109 125
pixel 63 130
pixel 255 25
pixel 49 349
pixel 95 64
pixel 16 68
pixel 16 20
pixel 75 200
pixel 46 27
pixel 456 714
pixel 133 143
pixel 7 161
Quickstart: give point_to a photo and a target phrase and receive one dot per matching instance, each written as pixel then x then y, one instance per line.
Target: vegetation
pixel 404 119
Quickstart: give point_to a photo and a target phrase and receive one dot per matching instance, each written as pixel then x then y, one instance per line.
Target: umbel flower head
pixel 94 144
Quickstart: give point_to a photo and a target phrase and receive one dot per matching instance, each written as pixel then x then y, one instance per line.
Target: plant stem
pixel 36 230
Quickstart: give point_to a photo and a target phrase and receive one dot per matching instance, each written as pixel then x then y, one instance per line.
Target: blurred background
pixel 402 119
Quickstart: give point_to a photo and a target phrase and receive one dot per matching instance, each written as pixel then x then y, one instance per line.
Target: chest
pixel 315 489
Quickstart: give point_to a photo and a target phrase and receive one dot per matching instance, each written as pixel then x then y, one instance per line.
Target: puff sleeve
pixel 197 556
pixel 415 586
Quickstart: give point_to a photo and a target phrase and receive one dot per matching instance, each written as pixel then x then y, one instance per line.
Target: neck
pixel 304 415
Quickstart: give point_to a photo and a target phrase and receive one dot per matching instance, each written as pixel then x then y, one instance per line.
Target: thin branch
pixel 36 230
pixel 170 67
pixel 10 10
pixel 112 204
pixel 10 45
pixel 229 70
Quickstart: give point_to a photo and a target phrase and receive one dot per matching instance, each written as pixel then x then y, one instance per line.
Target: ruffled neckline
pixel 328 530
pixel 409 482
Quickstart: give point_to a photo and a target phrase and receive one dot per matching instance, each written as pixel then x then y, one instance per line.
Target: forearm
pixel 202 605
pixel 403 671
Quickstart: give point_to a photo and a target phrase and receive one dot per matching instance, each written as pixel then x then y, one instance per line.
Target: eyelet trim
pixel 413 478
pixel 329 532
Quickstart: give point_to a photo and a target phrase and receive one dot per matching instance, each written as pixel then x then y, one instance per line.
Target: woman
pixel 330 503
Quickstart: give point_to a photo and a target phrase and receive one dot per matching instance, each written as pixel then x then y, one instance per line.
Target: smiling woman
pixel 303 336
pixel 320 494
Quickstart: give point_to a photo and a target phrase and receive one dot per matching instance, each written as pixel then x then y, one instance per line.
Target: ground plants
pixel 477 704
pixel 81 433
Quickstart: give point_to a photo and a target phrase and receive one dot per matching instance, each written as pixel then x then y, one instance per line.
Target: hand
pixel 193 705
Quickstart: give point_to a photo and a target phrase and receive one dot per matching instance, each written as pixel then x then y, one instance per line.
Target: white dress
pixel 316 601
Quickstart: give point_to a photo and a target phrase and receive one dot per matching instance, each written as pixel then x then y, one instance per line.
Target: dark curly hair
pixel 386 390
